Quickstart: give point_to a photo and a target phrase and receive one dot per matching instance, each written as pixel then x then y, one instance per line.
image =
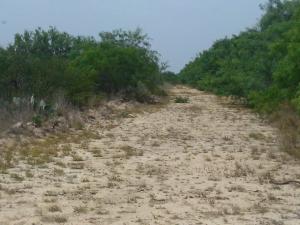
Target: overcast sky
pixel 179 28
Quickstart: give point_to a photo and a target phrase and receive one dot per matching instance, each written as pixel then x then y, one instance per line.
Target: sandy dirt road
pixel 204 162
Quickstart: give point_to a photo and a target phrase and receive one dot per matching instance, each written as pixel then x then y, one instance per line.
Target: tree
pixel 260 64
pixel 41 62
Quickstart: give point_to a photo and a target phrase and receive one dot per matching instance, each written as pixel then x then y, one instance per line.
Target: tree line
pixel 42 63
pixel 260 65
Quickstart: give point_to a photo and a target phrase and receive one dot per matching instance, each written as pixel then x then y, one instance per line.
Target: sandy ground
pixel 205 162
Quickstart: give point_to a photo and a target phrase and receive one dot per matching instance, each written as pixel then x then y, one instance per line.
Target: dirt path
pixel 205 162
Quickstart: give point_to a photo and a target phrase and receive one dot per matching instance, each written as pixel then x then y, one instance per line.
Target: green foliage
pixel 116 68
pixel 260 64
pixel 37 121
pixel 43 62
pixel 181 100
pixel 170 77
pixel 296 100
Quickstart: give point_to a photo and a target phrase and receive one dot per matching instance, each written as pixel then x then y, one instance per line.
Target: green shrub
pixel 142 93
pixel 181 100
pixel 296 101
pixel 37 120
pixel 170 77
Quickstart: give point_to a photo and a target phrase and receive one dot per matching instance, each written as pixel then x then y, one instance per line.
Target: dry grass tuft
pixel 242 170
pixel 288 122
pixel 58 172
pixel 17 177
pixel 6 159
pixel 80 209
pixel 11 114
pixel 130 151
pixel 54 208
pixel 181 99
pixel 257 136
pixel 54 219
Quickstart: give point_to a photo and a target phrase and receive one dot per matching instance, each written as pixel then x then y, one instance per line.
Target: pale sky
pixel 179 28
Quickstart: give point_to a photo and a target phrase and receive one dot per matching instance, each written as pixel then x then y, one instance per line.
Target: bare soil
pixel 208 161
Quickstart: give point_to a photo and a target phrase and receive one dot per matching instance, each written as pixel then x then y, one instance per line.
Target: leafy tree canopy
pixel 260 64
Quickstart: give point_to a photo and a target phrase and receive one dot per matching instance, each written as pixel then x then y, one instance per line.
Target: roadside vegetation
pixel 260 66
pixel 47 72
